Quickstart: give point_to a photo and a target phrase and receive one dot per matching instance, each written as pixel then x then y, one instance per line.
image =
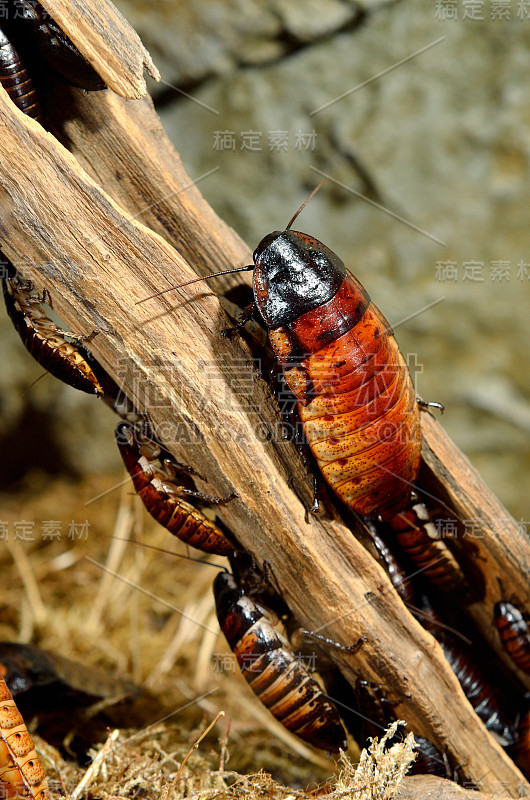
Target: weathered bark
pixel 212 411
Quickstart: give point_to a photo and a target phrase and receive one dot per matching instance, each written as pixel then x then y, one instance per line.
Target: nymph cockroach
pixel 70 361
pixel 279 680
pixel 514 633
pixel 43 338
pixel 21 773
pixel 395 570
pixel 162 484
pixel 16 80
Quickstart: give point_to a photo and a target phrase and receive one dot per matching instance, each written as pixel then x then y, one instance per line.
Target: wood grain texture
pixel 125 149
pixel 106 39
pixel 427 787
pixel 97 260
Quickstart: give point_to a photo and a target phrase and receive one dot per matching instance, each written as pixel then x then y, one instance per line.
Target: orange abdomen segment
pixel 357 405
pixel 21 773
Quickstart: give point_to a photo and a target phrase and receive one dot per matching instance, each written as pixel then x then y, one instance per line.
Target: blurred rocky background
pixel 423 108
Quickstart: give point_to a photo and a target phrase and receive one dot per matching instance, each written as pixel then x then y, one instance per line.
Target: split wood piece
pixel 151 183
pixel 106 39
pixel 492 542
pixel 97 261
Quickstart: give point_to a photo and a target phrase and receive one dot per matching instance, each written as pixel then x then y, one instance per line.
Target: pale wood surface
pixel 97 261
pixel 106 39
pixel 123 146
pixel 427 787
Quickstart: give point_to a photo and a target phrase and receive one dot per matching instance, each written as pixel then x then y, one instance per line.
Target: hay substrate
pixel 146 616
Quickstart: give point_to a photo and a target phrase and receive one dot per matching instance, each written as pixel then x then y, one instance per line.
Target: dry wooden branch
pixel 106 39
pixel 212 411
pixel 124 148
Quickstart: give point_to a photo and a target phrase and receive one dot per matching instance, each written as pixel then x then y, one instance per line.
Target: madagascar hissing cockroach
pixel 43 338
pixel 280 681
pixel 33 29
pixel 162 484
pixel 15 79
pixel 376 713
pixel 21 772
pixel 475 684
pixel 419 539
pixel 514 633
pixel 355 396
pixel 395 570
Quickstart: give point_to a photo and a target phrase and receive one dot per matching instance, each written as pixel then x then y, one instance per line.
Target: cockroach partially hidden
pixel 475 684
pixel 280 681
pixel 376 713
pixel 514 633
pixel 417 535
pixel 15 79
pixel 21 772
pixel 34 30
pixel 44 339
pixel 162 483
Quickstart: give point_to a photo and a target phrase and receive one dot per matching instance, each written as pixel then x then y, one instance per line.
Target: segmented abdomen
pixel 357 403
pixel 161 493
pixel 417 535
pixel 514 633
pixel 477 689
pixel 21 773
pixel 16 81
pixel 44 340
pixel 280 681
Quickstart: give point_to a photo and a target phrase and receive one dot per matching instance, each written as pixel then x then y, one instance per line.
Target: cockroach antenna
pixel 247 268
pixel 168 552
pixel 197 280
pixel 306 201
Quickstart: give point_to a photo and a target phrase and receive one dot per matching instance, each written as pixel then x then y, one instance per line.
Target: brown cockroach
pixel 162 484
pixel 44 339
pixel 418 537
pixel 33 29
pixel 15 79
pixel 514 633
pixel 475 684
pixel 21 772
pixel 279 680
pixel 355 397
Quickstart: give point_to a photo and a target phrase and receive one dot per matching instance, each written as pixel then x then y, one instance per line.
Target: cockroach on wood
pixel 355 397
pixel 476 685
pixel 38 38
pixel 16 80
pixel 163 484
pixel 43 338
pixel 514 633
pixel 277 677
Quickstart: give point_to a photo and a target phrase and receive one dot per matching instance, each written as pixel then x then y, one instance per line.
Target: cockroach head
pixel 294 273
